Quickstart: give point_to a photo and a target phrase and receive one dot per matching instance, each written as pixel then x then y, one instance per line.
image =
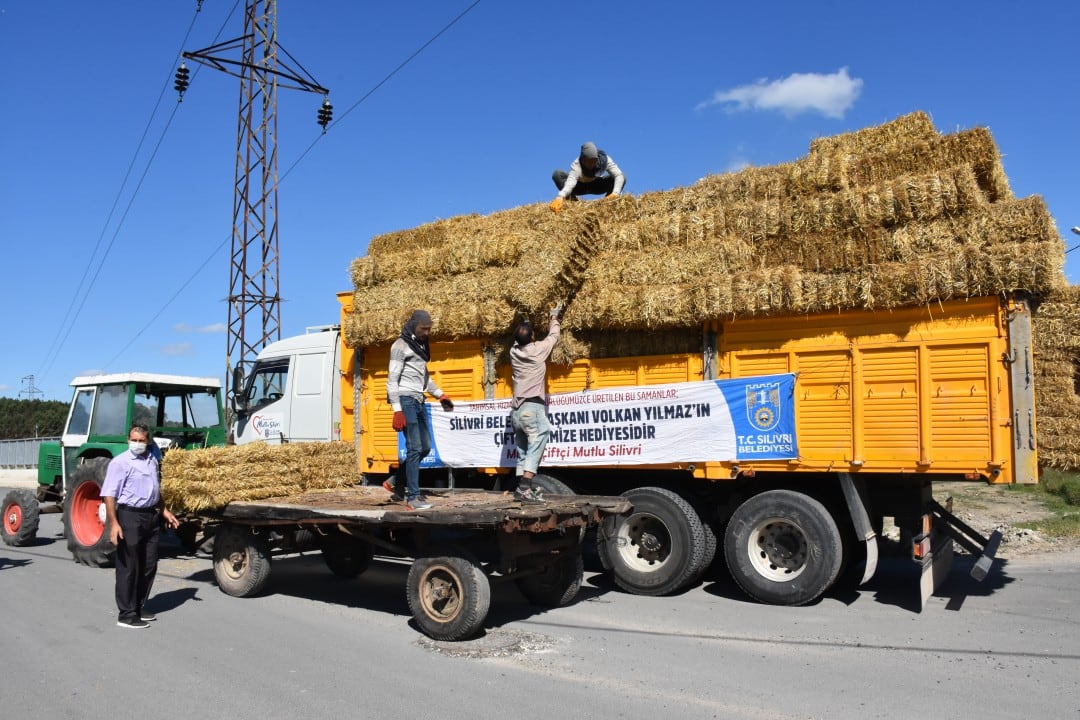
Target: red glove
pixel 399 420
pixel 447 403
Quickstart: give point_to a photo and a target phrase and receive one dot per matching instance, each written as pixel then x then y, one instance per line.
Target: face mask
pixel 136 447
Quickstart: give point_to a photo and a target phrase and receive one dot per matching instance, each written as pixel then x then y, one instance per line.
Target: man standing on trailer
pixel 135 510
pixel 405 387
pixel 528 360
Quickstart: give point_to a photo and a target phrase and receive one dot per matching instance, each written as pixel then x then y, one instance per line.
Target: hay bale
pixel 208 479
pixel 884 217
pixel 901 132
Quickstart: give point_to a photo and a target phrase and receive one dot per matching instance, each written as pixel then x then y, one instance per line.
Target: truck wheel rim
pixel 643 542
pixel 87 523
pixel 234 555
pixel 12 518
pixel 778 549
pixel 440 594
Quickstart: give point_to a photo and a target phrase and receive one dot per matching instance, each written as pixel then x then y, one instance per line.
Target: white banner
pixel 724 420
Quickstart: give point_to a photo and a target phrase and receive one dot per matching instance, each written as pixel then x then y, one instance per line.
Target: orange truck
pixel 880 406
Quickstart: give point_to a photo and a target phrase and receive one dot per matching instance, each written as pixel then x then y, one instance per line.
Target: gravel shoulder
pixel 994 507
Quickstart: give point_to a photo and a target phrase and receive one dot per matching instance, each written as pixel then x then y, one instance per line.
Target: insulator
pixel 182 79
pixel 326 113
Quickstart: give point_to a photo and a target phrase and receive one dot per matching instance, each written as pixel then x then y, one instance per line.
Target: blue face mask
pixel 136 447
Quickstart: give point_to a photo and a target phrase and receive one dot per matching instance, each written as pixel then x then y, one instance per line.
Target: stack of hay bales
pixel 890 216
pixel 208 479
pixel 1056 334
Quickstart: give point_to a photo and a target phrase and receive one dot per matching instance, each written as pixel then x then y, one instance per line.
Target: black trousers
pixel 136 559
pixel 600 186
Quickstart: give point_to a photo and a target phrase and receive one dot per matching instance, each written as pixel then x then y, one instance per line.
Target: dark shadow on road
pixel 7 563
pixel 166 601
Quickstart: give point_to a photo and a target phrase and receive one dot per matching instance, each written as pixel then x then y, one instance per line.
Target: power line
pixel 292 167
pixel 75 304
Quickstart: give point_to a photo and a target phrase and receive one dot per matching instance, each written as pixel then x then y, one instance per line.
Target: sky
pixel 116 200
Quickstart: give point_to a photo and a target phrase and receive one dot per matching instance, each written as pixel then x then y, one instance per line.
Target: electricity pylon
pixel 254 277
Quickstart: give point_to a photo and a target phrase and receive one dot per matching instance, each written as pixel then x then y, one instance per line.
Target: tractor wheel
pixel 85 522
pixel 21 516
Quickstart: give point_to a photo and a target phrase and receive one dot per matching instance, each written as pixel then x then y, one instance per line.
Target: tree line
pixel 31 418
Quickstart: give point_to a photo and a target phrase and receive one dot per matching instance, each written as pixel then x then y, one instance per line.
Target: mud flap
pixel 935 569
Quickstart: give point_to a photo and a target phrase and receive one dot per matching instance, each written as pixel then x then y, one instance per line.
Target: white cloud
pixel 831 95
pixel 185 328
pixel 177 349
pixel 5 388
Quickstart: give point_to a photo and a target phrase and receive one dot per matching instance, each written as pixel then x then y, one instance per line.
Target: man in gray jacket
pixel 405 387
pixel 528 360
pixel 592 173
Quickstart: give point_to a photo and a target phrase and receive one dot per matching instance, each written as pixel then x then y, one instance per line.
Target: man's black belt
pixel 132 508
pixel 540 400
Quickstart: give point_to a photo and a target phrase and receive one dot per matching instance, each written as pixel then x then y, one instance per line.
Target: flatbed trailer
pixel 468 540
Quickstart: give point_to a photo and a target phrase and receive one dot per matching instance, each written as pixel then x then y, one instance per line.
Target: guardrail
pixel 22 453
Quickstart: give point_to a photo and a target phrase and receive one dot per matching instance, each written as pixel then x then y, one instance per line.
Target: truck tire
pixel 21 517
pixel 448 595
pixel 550 485
pixel 241 560
pixel 658 548
pixel 345 555
pixel 85 522
pixel 558 582
pixel 783 548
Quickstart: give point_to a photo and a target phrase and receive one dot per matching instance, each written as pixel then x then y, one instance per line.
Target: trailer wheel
pixel 241 560
pixel 658 547
pixel 558 582
pixel 21 517
pixel 783 548
pixel 345 555
pixel 85 522
pixel 449 595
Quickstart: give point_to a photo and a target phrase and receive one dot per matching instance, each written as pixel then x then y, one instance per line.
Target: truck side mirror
pixel 238 402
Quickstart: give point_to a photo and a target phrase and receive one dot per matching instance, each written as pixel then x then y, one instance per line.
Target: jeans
pixel 531 433
pixel 417 442
pixel 599 186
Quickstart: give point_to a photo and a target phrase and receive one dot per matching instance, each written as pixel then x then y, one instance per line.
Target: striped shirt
pixel 408 376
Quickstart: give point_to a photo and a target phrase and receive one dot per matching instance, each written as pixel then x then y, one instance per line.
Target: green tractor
pixel 180 411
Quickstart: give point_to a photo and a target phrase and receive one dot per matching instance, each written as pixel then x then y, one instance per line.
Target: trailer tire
pixel 21 518
pixel 557 584
pixel 783 548
pixel 241 560
pixel 85 523
pixel 449 595
pixel 345 555
pixel 658 547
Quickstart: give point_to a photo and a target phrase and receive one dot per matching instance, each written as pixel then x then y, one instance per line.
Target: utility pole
pixel 254 295
pixel 30 390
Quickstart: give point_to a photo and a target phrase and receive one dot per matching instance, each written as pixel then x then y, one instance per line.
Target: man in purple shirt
pixel 135 509
pixel 528 361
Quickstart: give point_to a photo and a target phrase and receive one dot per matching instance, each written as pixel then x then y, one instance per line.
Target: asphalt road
pixel 320 647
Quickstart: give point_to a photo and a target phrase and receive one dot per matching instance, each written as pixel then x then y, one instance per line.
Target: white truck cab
pixel 292 393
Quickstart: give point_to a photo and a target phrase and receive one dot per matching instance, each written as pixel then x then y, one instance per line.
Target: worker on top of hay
pixel 405 387
pixel 528 360
pixel 592 173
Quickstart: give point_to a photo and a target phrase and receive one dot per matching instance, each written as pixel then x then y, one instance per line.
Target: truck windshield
pixel 267 384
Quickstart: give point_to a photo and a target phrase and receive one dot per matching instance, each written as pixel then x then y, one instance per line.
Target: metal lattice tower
pixel 254 293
